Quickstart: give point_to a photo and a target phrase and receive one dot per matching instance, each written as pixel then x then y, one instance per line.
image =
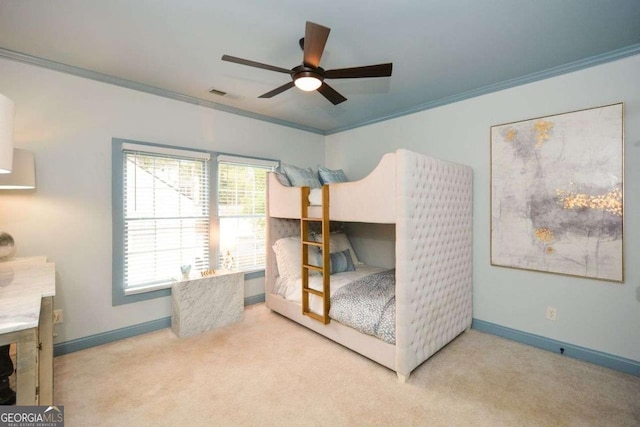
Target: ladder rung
pixel 305 219
pixel 315 316
pixel 313 291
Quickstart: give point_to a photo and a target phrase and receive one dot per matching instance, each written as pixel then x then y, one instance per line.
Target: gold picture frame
pixel 557 193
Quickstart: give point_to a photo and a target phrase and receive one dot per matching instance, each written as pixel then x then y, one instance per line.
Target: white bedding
pixel 315 197
pixel 292 289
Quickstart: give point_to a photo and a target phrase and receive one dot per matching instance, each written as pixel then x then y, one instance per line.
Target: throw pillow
pixel 328 176
pixel 300 177
pixel 339 262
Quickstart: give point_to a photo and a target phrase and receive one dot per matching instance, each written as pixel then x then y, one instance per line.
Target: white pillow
pixel 315 197
pixel 288 257
pixel 338 242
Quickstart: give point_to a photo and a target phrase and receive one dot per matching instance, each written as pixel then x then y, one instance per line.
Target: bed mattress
pixel 292 289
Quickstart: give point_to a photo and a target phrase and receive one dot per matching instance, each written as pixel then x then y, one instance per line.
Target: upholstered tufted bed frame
pixel 430 203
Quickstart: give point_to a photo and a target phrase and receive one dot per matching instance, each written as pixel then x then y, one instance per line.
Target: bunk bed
pixel 430 203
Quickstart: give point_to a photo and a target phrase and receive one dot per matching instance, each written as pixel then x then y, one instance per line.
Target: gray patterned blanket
pixel 368 305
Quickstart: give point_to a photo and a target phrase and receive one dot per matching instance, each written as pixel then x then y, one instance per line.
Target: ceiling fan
pixel 310 76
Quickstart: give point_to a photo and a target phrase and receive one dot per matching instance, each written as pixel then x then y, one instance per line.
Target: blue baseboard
pixel 603 359
pixel 256 299
pixel 128 332
pixel 110 336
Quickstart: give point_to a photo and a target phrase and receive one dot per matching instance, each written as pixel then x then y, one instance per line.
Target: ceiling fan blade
pixel 331 94
pixel 380 70
pixel 277 90
pixel 315 37
pixel 254 64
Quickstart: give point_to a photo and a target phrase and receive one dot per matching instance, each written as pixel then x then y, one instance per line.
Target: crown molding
pixel 105 78
pixel 507 84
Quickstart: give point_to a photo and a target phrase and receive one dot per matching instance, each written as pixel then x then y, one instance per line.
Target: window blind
pixel 166 215
pixel 242 185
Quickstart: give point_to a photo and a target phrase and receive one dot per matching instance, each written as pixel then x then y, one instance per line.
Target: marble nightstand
pixel 207 303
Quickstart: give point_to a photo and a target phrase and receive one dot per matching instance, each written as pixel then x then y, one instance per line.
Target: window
pixel 242 187
pixel 165 206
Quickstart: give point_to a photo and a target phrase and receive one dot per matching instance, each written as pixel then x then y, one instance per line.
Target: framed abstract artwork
pixel 557 194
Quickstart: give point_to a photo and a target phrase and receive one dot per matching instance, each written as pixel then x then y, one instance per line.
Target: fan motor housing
pixel 304 71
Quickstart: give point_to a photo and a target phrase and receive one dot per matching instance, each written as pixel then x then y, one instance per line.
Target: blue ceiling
pixel 442 51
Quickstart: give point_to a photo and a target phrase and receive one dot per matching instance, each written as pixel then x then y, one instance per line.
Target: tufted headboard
pixel 277 228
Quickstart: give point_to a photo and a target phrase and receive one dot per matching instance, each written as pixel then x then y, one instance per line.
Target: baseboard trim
pixel 127 332
pixel 255 299
pixel 110 336
pixel 593 356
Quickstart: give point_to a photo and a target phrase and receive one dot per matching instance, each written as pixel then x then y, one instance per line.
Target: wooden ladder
pixel 306 242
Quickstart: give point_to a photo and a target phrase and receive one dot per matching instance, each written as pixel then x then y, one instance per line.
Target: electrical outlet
pixel 551 313
pixel 58 317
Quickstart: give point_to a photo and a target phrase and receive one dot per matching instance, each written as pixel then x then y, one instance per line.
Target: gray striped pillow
pixel 339 261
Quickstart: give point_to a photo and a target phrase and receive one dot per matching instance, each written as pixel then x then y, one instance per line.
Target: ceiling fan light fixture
pixel 309 76
pixel 308 83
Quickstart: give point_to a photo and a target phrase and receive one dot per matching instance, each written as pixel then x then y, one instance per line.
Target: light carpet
pixel 268 370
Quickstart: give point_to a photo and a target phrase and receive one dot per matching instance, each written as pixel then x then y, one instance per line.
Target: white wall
pixel 595 314
pixel 68 122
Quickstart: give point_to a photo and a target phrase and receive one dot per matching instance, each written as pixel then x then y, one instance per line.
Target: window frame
pixel 215 252
pixel 119 295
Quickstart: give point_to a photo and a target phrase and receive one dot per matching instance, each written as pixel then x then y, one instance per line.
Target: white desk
pixel 27 288
pixel 204 304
